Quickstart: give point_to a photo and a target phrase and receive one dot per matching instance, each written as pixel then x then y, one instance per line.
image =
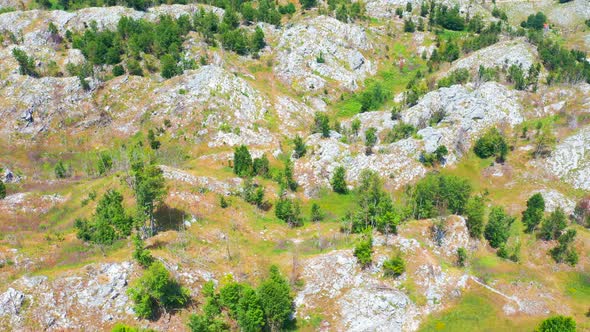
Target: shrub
pixel 535 21
pixel 370 138
pixel 276 300
pixel 253 194
pixel 459 76
pixel 532 216
pixel 492 143
pixel 582 212
pixel 261 166
pixel 375 207
pixel 242 161
pixel 394 267
pixel 169 66
pixel 437 193
pixel 557 324
pixel 497 229
pixel 553 225
pixel 363 251
pixel 140 254
pixel 289 181
pixel 109 222
pixel 400 131
pixel 307 4
pixel 475 211
pixel 321 124
pixel 316 213
pixel 299 147
pixel 373 97
pixel 2 190
pixel 461 256
pixel 60 170
pixel 223 203
pixel 434 158
pixel 156 290
pixel 118 70
pixel 105 162
pixel 409 25
pixel 338 181
pixel 26 63
pixel 289 211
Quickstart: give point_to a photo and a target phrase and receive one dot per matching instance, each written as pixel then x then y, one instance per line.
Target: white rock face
pixel 467 113
pixel 98 295
pixel 554 199
pixel 397 162
pixel 502 54
pixel 363 302
pixel 571 160
pixel 228 106
pixel 225 187
pixel 339 44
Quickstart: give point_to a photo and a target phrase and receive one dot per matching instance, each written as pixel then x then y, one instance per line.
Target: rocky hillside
pixel 294 165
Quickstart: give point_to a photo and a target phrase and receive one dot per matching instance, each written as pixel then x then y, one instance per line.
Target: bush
pixel 532 216
pixel 321 124
pixel 372 98
pixel 118 70
pixel 394 267
pixel 375 207
pixel 435 158
pixel 370 138
pixel 276 300
pixel 242 161
pixel 26 63
pixel 156 290
pixel 475 211
pixel 564 251
pixel 169 66
pixel 363 251
pixel 307 4
pixel 338 181
pixel 409 25
pixel 461 256
pixel 109 222
pixel 2 190
pixel 557 324
pixel 261 166
pixel 399 131
pixel 553 225
pixel 497 229
pixel 459 76
pixel 140 254
pixel 289 181
pixel 492 143
pixel 60 170
pixel 582 212
pixel 299 147
pixel 253 194
pixel 316 213
pixel 535 21
pixel 289 211
pixel 435 194
pixel 105 162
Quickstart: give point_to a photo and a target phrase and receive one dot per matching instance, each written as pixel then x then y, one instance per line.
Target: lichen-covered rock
pixel 571 160
pixel 502 55
pixel 339 44
pixel 96 296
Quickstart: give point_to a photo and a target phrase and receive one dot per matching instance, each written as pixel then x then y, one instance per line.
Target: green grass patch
pixel 578 287
pixel 474 312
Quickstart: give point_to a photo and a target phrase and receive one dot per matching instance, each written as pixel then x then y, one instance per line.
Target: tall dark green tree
pixel 242 161
pixel 150 188
pixel 2 190
pixel 532 216
pixel 475 213
pixel 321 124
pixel 338 181
pixel 497 230
pixel 26 63
pixel 276 300
pixel 553 225
pixel 299 147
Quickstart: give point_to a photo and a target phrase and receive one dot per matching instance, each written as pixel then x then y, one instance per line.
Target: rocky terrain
pixel 65 140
